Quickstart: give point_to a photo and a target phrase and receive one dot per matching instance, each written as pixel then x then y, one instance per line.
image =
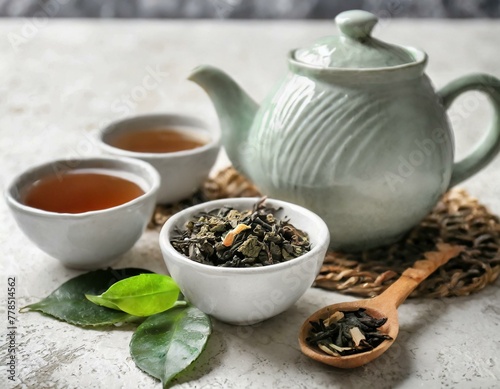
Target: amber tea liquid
pixel 156 141
pixel 81 191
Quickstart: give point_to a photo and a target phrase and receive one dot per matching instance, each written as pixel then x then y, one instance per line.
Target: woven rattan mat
pixel 456 219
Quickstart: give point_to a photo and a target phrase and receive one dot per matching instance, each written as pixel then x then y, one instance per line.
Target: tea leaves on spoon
pixel 142 295
pixel 347 333
pixel 68 302
pixel 167 343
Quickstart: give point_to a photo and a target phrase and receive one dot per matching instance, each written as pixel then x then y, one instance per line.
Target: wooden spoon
pixel 384 305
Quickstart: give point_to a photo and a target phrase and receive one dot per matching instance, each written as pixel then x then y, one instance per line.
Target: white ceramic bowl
pixel 87 240
pixel 181 172
pixel 246 295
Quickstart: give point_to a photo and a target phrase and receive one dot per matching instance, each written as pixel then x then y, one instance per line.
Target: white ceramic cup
pixel 87 240
pixel 245 296
pixel 181 172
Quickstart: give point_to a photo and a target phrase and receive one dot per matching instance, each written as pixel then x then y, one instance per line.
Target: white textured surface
pixel 70 77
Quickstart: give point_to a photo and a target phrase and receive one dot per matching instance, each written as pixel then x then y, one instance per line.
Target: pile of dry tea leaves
pixel 230 238
pixel 347 333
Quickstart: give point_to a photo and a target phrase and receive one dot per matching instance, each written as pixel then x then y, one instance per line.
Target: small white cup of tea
pixel 182 148
pixel 84 212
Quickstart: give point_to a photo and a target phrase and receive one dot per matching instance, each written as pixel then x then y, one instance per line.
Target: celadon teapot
pixel 355 132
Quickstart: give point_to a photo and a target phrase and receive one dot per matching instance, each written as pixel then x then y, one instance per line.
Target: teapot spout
pixel 236 110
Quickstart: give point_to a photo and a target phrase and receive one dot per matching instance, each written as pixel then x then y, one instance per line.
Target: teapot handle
pixel 488 148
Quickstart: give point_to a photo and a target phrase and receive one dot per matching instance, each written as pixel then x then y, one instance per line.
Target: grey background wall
pixel 248 9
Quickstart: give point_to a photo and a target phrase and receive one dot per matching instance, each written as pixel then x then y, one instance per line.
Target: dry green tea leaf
pixel 142 295
pixel 68 302
pixel 168 342
pixel 228 237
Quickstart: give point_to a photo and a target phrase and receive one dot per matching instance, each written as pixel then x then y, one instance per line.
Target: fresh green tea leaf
pixel 166 343
pixel 68 302
pixel 142 295
pixel 102 302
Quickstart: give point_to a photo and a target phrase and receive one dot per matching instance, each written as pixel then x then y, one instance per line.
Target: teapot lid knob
pixel 356 24
pixel 354 47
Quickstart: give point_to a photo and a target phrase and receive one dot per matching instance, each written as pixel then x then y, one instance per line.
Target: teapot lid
pixel 354 47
